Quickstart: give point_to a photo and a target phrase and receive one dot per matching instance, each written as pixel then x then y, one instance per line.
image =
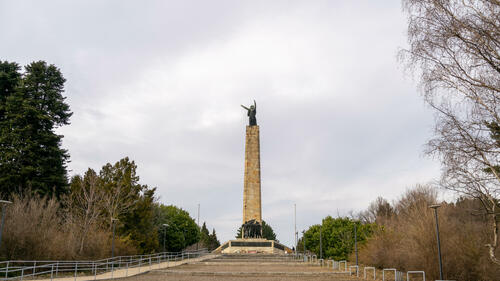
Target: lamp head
pixel 5 202
pixel 435 206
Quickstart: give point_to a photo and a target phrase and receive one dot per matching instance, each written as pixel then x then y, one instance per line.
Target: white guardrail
pixel 21 269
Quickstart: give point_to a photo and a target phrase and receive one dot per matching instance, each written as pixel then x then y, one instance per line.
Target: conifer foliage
pixel 31 108
pixel 208 240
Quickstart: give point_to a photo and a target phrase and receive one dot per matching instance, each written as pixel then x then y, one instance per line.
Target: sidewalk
pixel 120 273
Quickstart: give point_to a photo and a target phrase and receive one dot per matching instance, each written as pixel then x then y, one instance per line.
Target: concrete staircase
pixel 251 267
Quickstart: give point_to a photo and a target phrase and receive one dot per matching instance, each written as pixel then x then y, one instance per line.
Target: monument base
pixel 252 246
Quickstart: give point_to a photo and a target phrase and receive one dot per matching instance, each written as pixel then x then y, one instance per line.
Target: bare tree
pixel 455 44
pixel 118 201
pixel 378 211
pixel 85 203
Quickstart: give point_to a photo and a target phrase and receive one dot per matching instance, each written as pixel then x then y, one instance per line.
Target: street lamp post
pixel 164 235
pixel 304 237
pixel 296 242
pixel 320 242
pixel 113 241
pixel 4 205
pixel 184 244
pixel 198 243
pixel 356 241
pixel 295 222
pixel 435 207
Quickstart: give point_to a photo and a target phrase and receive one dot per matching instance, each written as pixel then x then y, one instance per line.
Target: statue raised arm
pixel 251 112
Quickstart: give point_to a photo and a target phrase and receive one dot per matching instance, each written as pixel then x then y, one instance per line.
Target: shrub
pixel 37 228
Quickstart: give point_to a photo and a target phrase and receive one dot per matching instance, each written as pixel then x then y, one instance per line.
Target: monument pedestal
pixel 252 246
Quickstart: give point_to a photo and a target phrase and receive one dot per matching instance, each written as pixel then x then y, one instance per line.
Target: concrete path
pixel 120 273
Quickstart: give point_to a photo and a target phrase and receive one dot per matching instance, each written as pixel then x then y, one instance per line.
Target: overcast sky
pixel 162 82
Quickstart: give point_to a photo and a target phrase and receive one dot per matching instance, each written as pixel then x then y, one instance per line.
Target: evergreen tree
pixel 205 235
pixel 138 224
pixel 121 186
pixel 213 241
pixel 208 240
pixel 268 232
pixel 31 108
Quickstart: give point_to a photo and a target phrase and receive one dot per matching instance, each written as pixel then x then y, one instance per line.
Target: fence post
pixel 7 270
pixel 76 268
pixel 51 272
pixel 126 272
pixel 95 271
pixel 57 268
pixel 22 273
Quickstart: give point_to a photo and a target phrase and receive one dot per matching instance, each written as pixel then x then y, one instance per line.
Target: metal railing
pixel 345 265
pixel 415 272
pixel 342 266
pixel 21 269
pixel 369 268
pixel 356 268
pixel 398 275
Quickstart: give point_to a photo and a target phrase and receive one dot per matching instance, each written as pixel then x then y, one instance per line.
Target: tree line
pixel 402 235
pixel 53 217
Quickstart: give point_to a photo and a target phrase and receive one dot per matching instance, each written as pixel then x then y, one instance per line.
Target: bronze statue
pixel 252 229
pixel 251 112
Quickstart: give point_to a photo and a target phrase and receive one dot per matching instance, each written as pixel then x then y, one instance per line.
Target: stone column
pixel 251 190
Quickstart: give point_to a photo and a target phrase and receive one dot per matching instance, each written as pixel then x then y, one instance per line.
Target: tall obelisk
pixel 252 211
pixel 252 208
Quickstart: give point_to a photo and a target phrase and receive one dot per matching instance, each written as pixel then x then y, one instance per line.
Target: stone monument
pixel 252 208
pixel 251 240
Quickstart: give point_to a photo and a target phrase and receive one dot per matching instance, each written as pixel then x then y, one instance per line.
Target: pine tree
pixel 31 108
pixel 213 241
pixel 205 239
pixel 268 232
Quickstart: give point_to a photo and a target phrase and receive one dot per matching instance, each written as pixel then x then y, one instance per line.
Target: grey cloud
pixel 161 82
